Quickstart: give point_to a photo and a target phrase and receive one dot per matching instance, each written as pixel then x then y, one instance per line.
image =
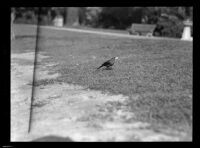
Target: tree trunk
pixel 72 16
pixel 12 21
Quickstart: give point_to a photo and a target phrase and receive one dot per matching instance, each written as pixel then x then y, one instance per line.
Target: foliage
pixel 119 17
pixel 168 19
pixel 92 15
pixel 170 27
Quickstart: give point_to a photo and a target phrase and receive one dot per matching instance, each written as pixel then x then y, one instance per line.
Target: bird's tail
pixel 99 67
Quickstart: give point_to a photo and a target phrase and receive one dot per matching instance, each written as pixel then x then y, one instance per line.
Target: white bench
pixel 142 29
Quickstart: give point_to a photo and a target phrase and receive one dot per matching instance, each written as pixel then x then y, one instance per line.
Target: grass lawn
pixel 158 71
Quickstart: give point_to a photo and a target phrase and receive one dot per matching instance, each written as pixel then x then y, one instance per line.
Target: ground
pixel 147 96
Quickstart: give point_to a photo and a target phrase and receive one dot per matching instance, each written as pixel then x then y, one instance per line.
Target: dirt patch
pixel 71 111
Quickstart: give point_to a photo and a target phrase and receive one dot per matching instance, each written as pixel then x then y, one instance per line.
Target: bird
pixel 108 64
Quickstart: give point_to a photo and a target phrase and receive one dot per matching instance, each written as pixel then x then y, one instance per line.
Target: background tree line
pixel 169 20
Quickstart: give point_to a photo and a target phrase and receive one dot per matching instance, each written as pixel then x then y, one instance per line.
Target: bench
pixel 142 29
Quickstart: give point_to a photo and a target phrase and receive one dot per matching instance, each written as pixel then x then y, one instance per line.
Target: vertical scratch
pixel 34 71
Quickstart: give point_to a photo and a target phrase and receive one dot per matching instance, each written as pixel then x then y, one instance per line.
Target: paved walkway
pixel 104 33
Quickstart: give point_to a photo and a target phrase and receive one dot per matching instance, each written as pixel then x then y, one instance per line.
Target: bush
pixel 169 28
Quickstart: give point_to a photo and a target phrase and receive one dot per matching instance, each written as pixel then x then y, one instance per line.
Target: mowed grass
pixel 158 71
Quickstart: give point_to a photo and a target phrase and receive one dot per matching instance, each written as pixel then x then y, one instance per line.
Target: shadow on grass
pixel 52 138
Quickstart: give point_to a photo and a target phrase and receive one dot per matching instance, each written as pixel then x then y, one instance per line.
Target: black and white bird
pixel 108 64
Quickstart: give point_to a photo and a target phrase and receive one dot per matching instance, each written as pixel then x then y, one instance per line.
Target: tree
pixel 118 17
pixel 92 16
pixel 72 16
pixel 168 19
pixel 12 21
pixel 82 15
